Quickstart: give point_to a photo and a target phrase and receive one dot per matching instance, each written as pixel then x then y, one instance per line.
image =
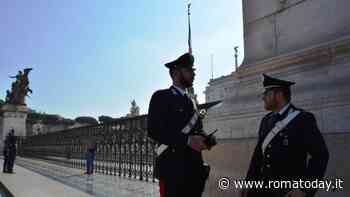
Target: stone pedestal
pixel 13 117
pixel 322 76
pixel 276 27
pixel 295 40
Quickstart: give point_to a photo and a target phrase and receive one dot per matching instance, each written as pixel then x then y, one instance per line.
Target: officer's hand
pixel 296 193
pixel 243 193
pixel 197 143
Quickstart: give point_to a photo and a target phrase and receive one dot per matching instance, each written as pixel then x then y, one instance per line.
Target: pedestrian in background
pixel 10 151
pixel 90 157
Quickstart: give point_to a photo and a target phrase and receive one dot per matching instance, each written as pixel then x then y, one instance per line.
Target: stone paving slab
pixel 99 165
pixel 26 183
pixel 96 185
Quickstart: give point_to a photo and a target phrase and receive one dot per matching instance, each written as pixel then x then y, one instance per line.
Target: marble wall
pixel 322 77
pixel 274 27
pixel 306 41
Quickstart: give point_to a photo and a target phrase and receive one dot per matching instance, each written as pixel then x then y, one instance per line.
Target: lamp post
pixel 236 57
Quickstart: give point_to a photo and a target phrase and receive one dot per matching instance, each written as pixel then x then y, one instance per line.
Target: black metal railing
pixel 123 148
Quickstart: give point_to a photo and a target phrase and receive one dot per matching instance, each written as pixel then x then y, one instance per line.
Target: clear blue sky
pixel 92 58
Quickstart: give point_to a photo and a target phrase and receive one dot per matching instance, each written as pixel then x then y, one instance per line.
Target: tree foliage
pixel 44 118
pixel 2 102
pixel 86 120
pixel 105 119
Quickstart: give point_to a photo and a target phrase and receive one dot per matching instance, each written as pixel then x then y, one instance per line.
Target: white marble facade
pixel 275 27
pixel 306 41
pixel 321 67
pixel 322 86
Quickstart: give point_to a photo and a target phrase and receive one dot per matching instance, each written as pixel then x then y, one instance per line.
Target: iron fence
pixel 123 148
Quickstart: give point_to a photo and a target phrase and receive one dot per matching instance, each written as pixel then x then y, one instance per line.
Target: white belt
pixel 278 127
pixel 185 130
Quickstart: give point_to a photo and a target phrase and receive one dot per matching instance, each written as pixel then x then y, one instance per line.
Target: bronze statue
pixel 18 76
pixel 19 88
pixel 8 96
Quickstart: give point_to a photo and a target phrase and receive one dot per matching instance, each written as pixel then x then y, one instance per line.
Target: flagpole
pixel 189 28
pixel 191 89
pixel 212 66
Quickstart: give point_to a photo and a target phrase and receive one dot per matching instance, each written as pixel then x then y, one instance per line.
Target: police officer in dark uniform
pixel 173 124
pixel 9 152
pixel 290 145
pixel 6 153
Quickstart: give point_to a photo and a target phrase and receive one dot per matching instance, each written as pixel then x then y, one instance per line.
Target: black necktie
pixel 276 117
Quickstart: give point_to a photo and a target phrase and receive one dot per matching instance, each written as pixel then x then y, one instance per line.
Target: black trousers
pixel 12 158
pixel 9 161
pixel 267 192
pixel 6 165
pixel 188 187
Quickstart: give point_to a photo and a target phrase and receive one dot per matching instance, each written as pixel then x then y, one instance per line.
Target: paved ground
pixel 29 170
pixel 25 183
